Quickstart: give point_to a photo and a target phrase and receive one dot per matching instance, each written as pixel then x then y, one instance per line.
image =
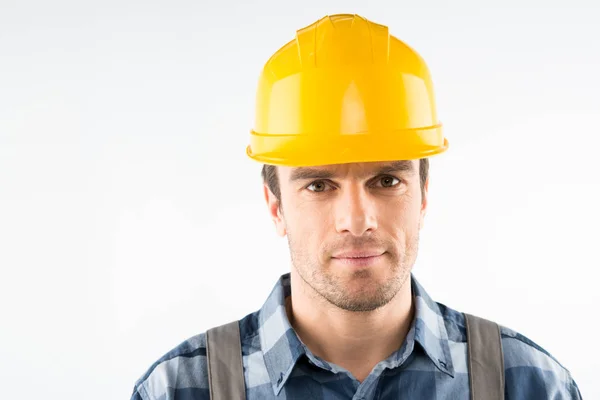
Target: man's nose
pixel 355 211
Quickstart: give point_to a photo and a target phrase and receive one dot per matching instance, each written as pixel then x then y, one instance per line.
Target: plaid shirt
pixel 431 364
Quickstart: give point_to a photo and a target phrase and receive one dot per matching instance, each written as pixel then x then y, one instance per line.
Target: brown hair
pixel 269 175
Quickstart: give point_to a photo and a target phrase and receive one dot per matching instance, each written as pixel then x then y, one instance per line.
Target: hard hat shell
pixel 344 90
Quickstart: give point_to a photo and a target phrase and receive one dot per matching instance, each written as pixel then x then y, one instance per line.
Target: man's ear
pixel 275 210
pixel 424 201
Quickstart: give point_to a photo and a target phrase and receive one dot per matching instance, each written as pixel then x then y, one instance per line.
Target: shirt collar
pixel 430 329
pixel 279 343
pixel 282 348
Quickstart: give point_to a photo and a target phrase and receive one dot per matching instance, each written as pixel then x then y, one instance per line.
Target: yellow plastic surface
pixel 344 91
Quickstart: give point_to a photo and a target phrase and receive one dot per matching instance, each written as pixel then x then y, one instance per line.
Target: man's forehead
pixel 360 170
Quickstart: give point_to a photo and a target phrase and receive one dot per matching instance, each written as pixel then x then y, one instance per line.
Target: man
pixel 345 122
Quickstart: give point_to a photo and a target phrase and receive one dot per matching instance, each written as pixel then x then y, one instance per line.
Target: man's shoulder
pixel 531 372
pixel 180 373
pixel 529 365
pixel 183 371
pixel 521 351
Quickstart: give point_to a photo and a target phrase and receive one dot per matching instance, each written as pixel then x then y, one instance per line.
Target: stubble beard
pixel 371 295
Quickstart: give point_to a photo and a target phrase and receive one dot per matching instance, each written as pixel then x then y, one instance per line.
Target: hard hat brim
pixel 313 150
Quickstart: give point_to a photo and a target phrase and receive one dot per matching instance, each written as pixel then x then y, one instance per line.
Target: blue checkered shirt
pixel 431 364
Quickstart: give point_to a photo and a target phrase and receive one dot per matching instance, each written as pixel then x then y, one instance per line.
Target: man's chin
pixel 362 304
pixel 363 280
pixel 362 296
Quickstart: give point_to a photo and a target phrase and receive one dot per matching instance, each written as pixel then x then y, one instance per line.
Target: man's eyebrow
pixel 396 166
pixel 306 173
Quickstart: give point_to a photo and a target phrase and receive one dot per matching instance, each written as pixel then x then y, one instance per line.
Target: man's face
pixel 353 229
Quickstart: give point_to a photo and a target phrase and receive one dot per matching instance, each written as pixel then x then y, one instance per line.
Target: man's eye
pixel 389 181
pixel 318 186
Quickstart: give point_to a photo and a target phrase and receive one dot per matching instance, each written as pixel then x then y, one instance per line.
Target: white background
pixel 131 219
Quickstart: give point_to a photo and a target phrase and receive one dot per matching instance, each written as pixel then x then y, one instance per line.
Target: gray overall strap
pixel 486 360
pixel 224 359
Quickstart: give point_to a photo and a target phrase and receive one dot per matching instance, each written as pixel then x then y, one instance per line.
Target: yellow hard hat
pixel 344 91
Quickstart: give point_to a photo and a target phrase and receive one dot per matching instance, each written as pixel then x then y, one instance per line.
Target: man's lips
pixel 358 253
pixel 359 259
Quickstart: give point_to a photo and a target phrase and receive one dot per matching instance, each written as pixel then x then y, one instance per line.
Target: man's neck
pixel 356 341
